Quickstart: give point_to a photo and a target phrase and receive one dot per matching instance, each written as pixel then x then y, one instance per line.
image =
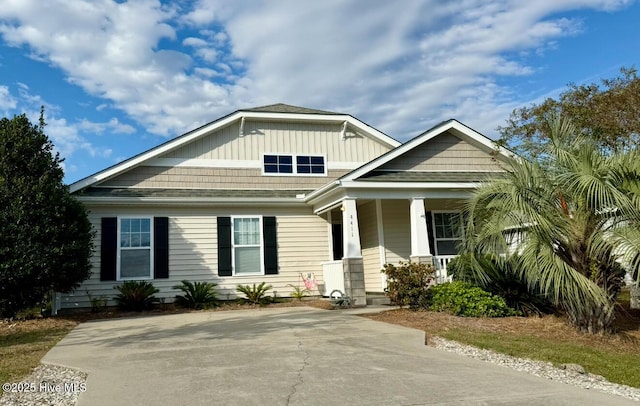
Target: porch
pixel 366 234
pixel 333 274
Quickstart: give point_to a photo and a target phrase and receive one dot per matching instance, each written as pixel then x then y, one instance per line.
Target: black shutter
pixel 160 247
pixel 108 248
pixel 429 218
pixel 224 246
pixel 270 245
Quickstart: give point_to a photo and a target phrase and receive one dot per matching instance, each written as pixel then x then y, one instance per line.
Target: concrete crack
pixel 300 380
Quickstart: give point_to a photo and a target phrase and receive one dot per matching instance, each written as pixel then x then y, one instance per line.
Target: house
pixel 280 193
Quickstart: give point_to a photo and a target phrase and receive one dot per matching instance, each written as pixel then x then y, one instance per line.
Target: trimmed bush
pixel 197 295
pixel 464 299
pixel 500 278
pixel 136 296
pixel 256 294
pixel 408 282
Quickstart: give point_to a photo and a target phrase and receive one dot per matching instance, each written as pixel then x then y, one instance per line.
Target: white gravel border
pixel 570 375
pixel 48 385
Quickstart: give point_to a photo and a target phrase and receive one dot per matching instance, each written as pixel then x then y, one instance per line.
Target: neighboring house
pixel 278 193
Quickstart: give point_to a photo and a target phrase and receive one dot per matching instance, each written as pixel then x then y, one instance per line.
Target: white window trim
pixel 435 236
pixel 119 256
pixel 233 245
pixel 294 160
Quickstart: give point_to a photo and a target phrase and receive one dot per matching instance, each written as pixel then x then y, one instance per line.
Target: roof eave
pixel 189 201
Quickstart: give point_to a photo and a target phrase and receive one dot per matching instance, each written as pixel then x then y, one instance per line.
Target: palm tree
pixel 564 222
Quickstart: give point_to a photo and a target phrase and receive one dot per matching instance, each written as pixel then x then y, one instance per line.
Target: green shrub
pixel 298 292
pixel 500 278
pixel 464 299
pixel 136 296
pixel 256 294
pixel 408 282
pixel 197 295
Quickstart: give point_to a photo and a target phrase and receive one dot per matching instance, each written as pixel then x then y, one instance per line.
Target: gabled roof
pixel 367 175
pixel 457 128
pixel 286 108
pixel 271 112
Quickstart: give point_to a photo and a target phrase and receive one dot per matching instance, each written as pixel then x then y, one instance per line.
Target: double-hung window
pixel 247 245
pixel 294 165
pixel 135 239
pixel 447 232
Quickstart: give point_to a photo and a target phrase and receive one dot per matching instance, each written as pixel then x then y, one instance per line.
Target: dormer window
pixel 303 165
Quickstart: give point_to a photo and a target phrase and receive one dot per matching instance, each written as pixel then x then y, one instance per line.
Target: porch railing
pixel 440 263
pixel 333 277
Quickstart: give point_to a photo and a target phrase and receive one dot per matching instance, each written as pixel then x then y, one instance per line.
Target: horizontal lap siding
pixel 367 220
pixel 397 230
pixel 302 247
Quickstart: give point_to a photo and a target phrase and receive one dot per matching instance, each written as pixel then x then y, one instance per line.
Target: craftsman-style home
pixel 281 194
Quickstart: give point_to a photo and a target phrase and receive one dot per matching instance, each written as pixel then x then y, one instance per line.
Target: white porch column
pixel 352 263
pixel 350 229
pixel 419 234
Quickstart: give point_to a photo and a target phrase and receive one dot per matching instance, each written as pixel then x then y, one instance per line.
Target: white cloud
pixel 114 125
pixel 7 101
pixel 208 54
pixel 400 68
pixel 194 42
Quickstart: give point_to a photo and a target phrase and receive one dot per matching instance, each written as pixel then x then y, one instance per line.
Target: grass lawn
pixel 549 338
pixel 24 343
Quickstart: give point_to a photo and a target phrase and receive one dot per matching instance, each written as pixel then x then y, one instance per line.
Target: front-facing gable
pixel 228 153
pixel 447 160
pixel 445 152
pixel 448 147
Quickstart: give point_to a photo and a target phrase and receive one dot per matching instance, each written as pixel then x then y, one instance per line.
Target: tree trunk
pixel 594 320
pixel 635 297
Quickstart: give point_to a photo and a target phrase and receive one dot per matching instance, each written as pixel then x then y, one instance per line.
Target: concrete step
pixel 377 300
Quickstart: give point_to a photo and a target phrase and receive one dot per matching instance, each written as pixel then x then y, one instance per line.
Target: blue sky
pixel 118 78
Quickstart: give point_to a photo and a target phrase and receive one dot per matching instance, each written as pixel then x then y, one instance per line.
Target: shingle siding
pixel 215 178
pixel 445 152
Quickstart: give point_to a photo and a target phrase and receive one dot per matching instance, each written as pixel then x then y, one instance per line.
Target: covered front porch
pixel 368 232
pixel 402 206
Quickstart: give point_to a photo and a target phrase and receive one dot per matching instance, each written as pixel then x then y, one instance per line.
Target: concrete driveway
pixel 288 356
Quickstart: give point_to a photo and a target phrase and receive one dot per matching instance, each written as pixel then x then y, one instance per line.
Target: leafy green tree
pixel 45 235
pixel 571 219
pixel 608 112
